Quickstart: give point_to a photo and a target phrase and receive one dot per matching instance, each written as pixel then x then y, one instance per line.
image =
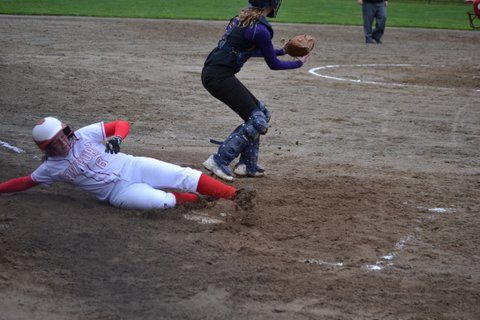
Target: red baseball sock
pixel 211 187
pixel 184 197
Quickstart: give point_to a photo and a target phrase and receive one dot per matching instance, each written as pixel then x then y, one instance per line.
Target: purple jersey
pixel 261 37
pixel 241 43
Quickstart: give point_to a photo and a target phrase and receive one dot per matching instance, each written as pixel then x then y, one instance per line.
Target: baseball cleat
pixel 213 167
pixel 241 170
pixel 244 198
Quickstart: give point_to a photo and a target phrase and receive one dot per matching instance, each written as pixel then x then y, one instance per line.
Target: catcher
pixel 81 158
pixel 247 35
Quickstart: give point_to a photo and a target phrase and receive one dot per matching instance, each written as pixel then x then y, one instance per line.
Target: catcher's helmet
pixel 47 130
pixel 275 4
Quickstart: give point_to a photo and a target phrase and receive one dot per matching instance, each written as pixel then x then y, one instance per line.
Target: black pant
pixel 223 85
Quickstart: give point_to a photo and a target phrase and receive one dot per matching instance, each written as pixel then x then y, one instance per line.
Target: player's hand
pixel 360 2
pixel 113 145
pixel 304 58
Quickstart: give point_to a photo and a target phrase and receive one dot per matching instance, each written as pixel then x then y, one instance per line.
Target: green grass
pixel 446 14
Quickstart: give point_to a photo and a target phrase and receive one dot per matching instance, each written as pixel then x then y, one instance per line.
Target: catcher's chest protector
pixel 234 35
pixel 234 49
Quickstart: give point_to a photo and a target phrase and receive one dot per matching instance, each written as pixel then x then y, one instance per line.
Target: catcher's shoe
pixel 241 171
pixel 244 198
pixel 213 167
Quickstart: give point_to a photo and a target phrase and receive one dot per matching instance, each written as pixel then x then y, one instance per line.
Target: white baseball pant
pixel 145 179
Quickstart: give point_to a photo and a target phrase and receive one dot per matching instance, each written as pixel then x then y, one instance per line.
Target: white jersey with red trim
pixel 87 165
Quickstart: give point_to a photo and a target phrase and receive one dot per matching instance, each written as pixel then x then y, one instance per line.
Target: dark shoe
pixel 370 42
pixel 244 198
pixel 378 41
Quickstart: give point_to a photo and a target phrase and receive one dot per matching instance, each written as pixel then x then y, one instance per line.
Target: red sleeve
pixel 117 128
pixel 17 184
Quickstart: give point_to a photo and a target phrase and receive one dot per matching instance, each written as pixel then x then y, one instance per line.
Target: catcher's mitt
pixel 299 46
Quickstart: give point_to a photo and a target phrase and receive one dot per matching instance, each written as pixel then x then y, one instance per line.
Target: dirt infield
pixel 370 208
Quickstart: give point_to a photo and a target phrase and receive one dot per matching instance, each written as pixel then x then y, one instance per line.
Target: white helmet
pixel 47 129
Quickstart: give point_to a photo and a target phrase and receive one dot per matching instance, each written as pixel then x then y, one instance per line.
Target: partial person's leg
pixel 243 197
pixel 381 20
pixel 368 15
pixel 248 166
pixel 185 197
pixel 164 175
pixel 233 93
pixel 242 137
pixel 248 163
pixel 209 186
pixel 141 196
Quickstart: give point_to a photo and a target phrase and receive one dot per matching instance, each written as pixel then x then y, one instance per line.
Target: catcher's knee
pixel 262 106
pixel 256 125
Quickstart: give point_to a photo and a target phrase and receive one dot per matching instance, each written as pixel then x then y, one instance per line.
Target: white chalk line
pixel 202 219
pixel 10 147
pixel 336 66
pixel 384 261
pixel 387 260
pixel 15 149
pixel 323 263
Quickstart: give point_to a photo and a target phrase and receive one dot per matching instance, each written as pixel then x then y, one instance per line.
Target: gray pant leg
pixel 381 20
pixel 368 10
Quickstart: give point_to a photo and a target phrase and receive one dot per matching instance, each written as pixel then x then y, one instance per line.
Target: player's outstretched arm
pixel 262 40
pixel 116 132
pixel 17 184
pixel 119 128
pixel 278 52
